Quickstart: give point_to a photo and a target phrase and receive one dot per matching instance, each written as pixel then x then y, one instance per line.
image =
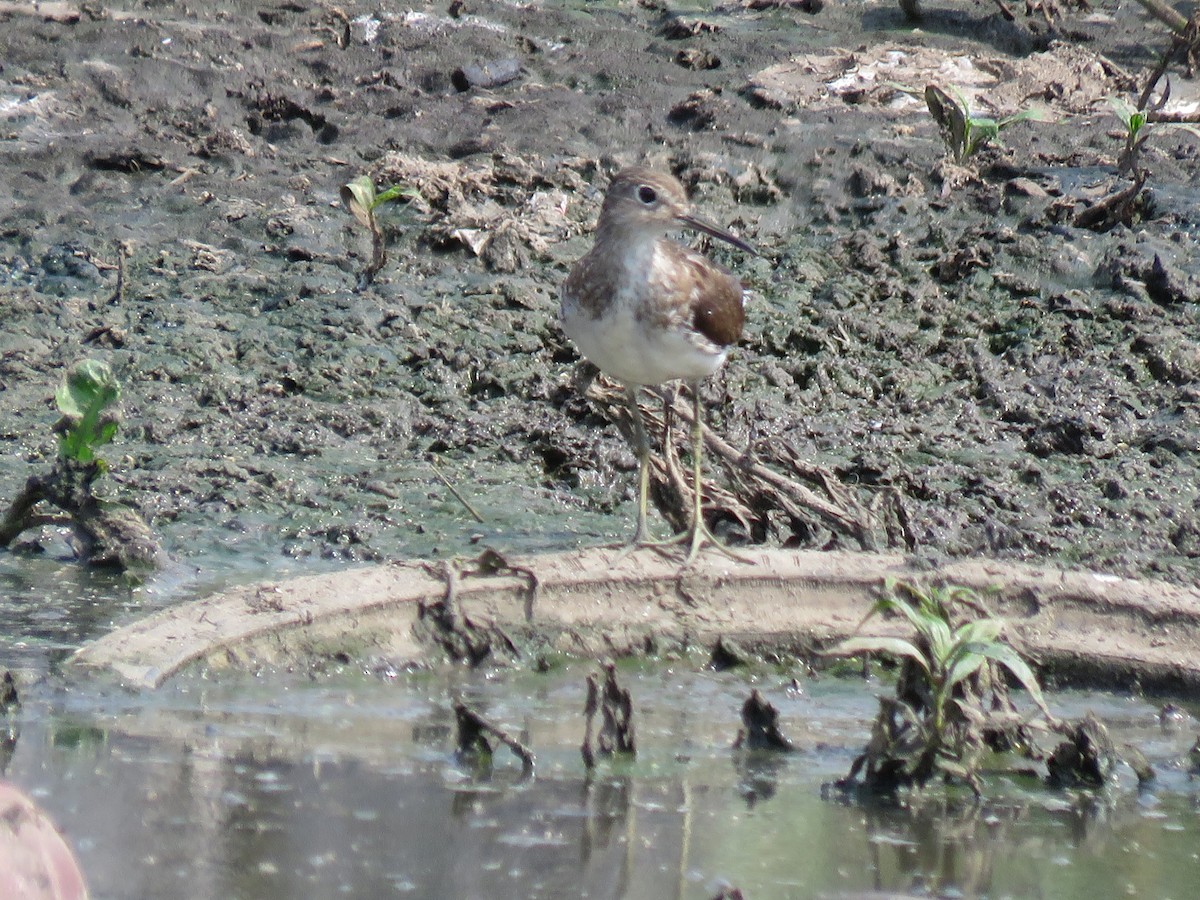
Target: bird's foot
pixel 641 540
pixel 699 536
pixel 695 538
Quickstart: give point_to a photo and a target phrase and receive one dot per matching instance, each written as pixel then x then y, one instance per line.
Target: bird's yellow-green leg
pixel 641 446
pixel 698 533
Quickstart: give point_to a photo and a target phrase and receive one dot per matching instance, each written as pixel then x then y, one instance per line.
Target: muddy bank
pixel 1023 388
pixel 1080 627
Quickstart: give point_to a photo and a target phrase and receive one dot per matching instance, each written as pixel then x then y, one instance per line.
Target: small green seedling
pixel 1138 128
pixel 1136 132
pixel 361 200
pixel 84 398
pixel 963 132
pixel 936 723
pixel 104 532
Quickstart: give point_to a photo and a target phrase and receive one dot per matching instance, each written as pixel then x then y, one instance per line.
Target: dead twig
pixel 453 490
pixel 472 741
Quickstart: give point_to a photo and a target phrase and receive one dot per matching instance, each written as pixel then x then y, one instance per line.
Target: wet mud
pixel 1015 385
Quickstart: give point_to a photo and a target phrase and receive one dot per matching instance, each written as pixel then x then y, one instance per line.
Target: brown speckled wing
pixel 715 307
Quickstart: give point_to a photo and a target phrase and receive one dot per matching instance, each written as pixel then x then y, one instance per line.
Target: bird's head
pixel 641 201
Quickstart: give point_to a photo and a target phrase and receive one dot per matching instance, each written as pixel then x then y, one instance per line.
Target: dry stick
pixel 118 294
pixel 1186 38
pixel 1176 21
pixel 1173 118
pixel 461 499
pixel 472 719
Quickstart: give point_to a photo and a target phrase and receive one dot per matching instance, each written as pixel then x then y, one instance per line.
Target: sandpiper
pixel 647 310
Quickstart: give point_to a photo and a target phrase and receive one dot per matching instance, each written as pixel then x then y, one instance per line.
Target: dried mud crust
pixel 1026 388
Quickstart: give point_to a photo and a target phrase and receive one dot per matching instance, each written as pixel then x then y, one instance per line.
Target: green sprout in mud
pixel 102 532
pixel 964 132
pixel 85 398
pixel 362 201
pixel 1138 128
pixel 951 698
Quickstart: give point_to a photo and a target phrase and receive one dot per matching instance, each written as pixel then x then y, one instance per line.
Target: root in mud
pixel 463 640
pixel 767 490
pixel 473 744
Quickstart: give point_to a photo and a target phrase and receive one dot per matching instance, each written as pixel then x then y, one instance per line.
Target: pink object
pixel 35 861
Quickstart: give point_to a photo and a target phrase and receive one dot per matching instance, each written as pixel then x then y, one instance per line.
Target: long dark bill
pixel 714 231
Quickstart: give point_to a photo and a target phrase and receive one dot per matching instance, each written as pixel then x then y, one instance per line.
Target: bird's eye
pixel 647 194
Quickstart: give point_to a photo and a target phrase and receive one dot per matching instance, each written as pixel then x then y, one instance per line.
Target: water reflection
pixel 320 789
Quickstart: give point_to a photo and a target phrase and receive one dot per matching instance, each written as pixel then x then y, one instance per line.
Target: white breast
pixel 634 350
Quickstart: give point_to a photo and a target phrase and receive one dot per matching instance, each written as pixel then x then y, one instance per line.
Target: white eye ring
pixel 647 194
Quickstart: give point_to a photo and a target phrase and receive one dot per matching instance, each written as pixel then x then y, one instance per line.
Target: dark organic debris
pixel 726 654
pixel 1121 207
pixel 441 622
pixel 1134 758
pixel 615 705
pixel 267 107
pixel 9 699
pixel 760 727
pixel 130 161
pixel 473 744
pixel 812 7
pixel 1086 758
pixel 691 58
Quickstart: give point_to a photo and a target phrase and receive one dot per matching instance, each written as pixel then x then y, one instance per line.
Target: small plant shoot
pixel 85 399
pixel 1139 125
pixel 102 532
pixel 964 132
pixel 360 198
pixel 951 699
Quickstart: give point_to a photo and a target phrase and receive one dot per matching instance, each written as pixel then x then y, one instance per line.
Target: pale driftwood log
pixel 1081 625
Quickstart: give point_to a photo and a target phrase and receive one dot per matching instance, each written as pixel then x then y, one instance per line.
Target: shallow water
pixel 346 784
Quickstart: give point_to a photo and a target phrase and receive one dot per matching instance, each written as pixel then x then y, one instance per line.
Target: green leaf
pixel 394 193
pixel 89 382
pixel 966 660
pixel 87 390
pixel 979 631
pixel 891 646
pixel 106 433
pixel 1033 114
pixel 359 198
pixel 927 616
pixel 1011 660
pixel 1121 109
